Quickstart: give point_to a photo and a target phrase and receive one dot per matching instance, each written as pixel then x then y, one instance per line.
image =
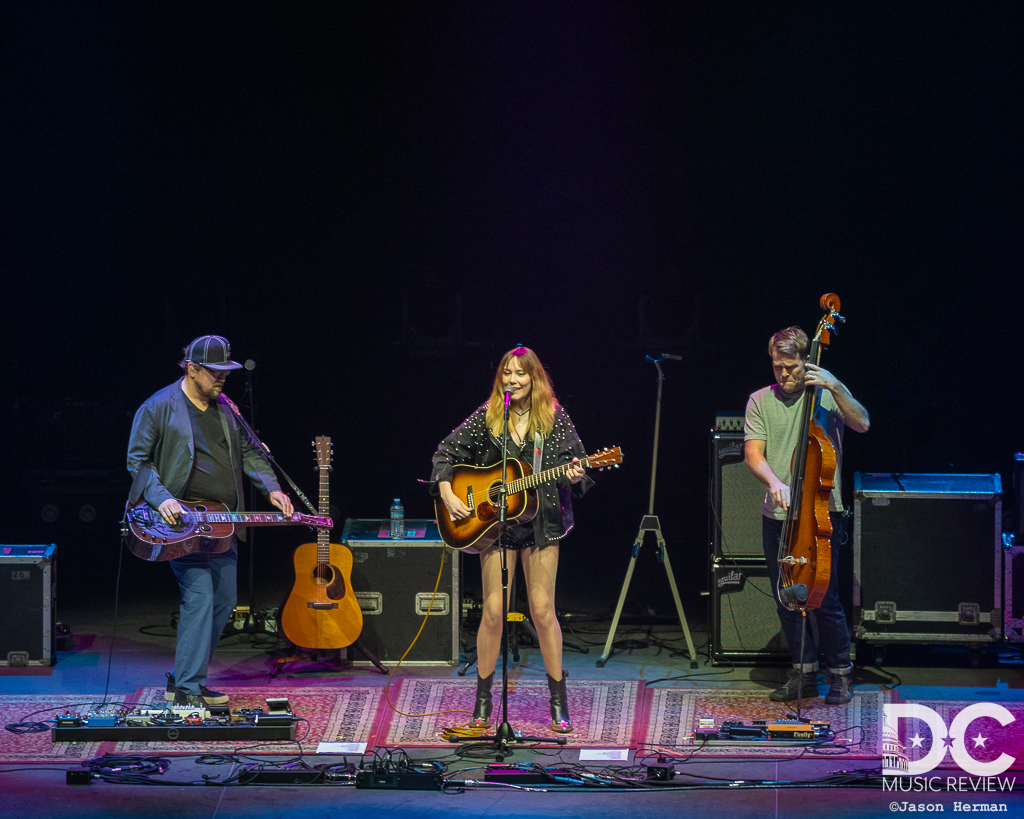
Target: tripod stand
pixel 650 523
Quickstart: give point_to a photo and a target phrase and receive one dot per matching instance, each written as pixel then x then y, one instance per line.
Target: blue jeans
pixel 209 591
pixel 833 636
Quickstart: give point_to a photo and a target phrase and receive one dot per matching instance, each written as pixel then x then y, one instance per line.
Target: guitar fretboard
pixel 323 537
pixel 530 481
pixel 244 517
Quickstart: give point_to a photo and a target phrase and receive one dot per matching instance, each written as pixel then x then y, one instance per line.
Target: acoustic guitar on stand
pixel 479 487
pixel 322 610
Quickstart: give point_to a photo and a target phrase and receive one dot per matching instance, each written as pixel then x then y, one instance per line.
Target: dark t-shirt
pixel 212 477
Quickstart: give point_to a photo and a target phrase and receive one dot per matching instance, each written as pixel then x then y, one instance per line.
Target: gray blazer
pixel 161 451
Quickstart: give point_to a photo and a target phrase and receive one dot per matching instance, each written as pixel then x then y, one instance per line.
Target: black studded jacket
pixel 474 444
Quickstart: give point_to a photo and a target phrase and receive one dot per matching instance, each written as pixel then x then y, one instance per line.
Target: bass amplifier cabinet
pixel 394 583
pixel 1013 552
pixel 27 631
pixel 1013 622
pixel 927 554
pixel 736 500
pixel 744 621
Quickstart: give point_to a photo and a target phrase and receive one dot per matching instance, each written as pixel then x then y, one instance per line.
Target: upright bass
pixel 805 550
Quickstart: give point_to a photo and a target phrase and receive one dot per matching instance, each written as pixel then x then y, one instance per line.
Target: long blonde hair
pixel 542 397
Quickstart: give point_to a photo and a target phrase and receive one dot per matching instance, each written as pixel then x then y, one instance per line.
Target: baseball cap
pixel 212 352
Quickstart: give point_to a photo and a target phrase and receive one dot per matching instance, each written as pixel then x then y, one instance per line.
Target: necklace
pixel 521 414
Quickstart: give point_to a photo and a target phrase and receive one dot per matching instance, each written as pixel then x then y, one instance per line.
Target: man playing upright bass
pixel 771 433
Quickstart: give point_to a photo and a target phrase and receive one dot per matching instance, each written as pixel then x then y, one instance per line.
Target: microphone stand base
pixel 505 737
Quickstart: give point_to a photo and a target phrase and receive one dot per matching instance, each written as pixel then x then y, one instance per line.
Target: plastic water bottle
pixel 397 520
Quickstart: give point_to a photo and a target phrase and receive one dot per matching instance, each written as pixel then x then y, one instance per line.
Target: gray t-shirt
pixel 773 417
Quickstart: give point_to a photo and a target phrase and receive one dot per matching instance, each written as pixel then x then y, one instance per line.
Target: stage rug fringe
pixel 605 713
pixel 336 714
pixel 996 739
pixel 673 715
pixel 44 708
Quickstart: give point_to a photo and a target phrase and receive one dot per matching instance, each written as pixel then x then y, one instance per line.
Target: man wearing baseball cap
pixel 193 449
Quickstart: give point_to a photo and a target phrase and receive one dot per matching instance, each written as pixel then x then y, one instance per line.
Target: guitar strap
pixel 538 457
pixel 264 450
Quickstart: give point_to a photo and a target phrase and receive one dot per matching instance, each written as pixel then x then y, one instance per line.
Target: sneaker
pixel 185 700
pixel 209 697
pixel 788 692
pixel 840 688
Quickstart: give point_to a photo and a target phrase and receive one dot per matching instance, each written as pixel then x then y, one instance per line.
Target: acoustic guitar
pixel 479 486
pixel 205 526
pixel 322 610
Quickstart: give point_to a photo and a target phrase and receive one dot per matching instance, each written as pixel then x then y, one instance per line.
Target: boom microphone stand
pixel 650 523
pixel 504 735
pixel 250 626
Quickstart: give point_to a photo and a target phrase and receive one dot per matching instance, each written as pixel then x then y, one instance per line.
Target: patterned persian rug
pixel 15 747
pixel 673 715
pixel 604 713
pixel 342 714
pixel 986 738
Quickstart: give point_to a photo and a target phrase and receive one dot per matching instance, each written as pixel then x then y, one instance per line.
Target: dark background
pixel 374 201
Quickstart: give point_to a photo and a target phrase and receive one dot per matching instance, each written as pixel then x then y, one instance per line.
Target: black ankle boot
pixel 560 721
pixel 482 709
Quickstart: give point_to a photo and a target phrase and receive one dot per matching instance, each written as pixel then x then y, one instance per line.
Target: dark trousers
pixel 208 585
pixel 832 642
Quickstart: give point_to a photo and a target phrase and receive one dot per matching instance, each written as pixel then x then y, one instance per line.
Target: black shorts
pixel 520 536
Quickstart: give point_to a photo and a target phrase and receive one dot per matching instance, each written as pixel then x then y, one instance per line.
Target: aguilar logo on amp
pixel 732 582
pixel 735 448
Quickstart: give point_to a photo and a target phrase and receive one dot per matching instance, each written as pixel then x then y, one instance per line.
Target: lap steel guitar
pixel 205 526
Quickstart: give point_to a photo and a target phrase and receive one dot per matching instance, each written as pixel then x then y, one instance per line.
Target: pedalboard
pixel 175 724
pixel 778 732
pixel 399 781
pixel 512 775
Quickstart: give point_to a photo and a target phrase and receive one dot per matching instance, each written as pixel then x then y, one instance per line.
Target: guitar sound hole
pixel 206 528
pixel 336 590
pixel 323 575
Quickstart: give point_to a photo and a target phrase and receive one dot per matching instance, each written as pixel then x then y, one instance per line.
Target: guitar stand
pixel 650 523
pixel 314 654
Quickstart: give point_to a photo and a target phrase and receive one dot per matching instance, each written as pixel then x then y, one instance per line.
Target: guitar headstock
pixel 324 451
pixel 830 304
pixel 606 458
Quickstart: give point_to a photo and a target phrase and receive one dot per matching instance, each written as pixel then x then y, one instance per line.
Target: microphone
pixel 250 365
pixel 508 396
